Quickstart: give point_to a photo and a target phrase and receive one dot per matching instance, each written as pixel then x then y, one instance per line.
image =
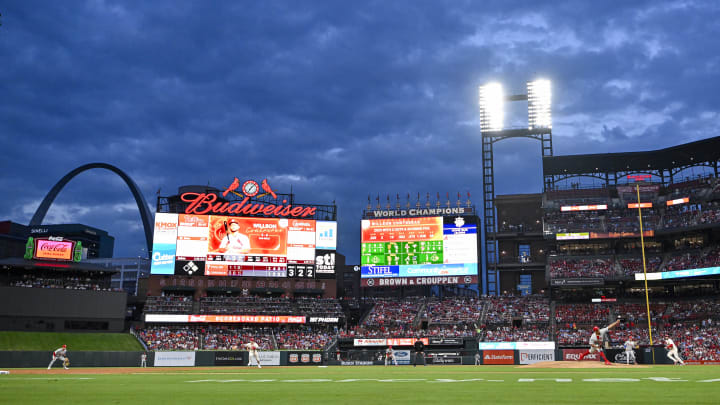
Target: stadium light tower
pixel 492 107
pixel 539 101
pixel 492 117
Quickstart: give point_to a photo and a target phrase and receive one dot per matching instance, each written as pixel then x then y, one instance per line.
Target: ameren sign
pixel 419 212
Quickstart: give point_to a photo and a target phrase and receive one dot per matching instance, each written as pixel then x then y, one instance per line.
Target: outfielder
pixel 596 341
pixel 629 352
pixel 143 360
pixel 672 351
pixel 390 354
pixel 252 348
pixel 60 354
pixel 477 358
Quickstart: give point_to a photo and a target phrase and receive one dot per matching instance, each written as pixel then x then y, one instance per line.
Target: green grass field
pixel 372 385
pixel 48 341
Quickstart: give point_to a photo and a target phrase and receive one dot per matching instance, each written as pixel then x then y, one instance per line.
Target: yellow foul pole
pixel 642 247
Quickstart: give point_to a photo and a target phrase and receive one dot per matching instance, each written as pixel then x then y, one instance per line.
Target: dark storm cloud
pixel 335 100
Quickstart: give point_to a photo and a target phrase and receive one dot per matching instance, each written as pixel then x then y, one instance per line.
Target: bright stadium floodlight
pixel 492 113
pixel 539 101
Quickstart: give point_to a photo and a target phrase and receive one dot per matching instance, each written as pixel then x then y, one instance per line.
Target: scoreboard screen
pixel 213 245
pixel 418 247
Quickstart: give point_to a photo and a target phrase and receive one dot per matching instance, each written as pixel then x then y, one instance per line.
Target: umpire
pixel 419 353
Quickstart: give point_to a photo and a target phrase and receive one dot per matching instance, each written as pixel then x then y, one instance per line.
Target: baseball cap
pixel 64 345
pixel 595 329
pixel 233 221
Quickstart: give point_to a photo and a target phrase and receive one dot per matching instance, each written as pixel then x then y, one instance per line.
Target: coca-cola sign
pixel 52 248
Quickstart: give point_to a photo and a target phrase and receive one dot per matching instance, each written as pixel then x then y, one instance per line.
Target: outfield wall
pixel 36 359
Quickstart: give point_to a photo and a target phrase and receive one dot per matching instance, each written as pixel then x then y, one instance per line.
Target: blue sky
pixel 338 100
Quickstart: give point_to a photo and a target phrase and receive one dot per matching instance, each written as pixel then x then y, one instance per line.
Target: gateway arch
pixel 145 214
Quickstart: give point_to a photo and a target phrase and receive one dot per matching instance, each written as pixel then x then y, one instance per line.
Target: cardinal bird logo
pixel 232 187
pixel 266 188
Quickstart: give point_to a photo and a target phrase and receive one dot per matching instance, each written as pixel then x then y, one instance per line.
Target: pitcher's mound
pixel 579 364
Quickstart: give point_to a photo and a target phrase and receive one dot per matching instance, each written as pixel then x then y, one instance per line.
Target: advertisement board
pixel 446 341
pixel 369 342
pixel 266 359
pixel 164 242
pixel 574 355
pixel 402 356
pixel 498 357
pixel 535 356
pixel 405 341
pixel 559 282
pixel 169 318
pixel 516 345
pixel 445 358
pixel 305 358
pixel 234 358
pixel 404 281
pixel 220 245
pixel 60 250
pixel 705 271
pixel 412 248
pixel 174 359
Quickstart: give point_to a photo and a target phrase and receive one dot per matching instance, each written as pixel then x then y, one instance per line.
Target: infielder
pixel 672 351
pixel 60 354
pixel 629 352
pixel 390 354
pixel 252 348
pixel 596 341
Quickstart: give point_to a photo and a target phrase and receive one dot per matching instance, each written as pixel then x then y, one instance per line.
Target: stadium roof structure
pixel 663 163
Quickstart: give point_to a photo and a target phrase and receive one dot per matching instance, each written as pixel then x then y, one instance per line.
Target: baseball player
pixel 390 354
pixel 477 358
pixel 672 351
pixel 143 360
pixel 252 348
pixel 629 352
pixel 596 341
pixel 60 354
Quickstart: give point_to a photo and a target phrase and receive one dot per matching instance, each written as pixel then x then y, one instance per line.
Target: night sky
pixel 338 100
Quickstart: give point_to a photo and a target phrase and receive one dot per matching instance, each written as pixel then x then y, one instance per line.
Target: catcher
pixel 60 354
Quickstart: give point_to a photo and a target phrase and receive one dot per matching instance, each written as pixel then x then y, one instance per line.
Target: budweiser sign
pixel 207 203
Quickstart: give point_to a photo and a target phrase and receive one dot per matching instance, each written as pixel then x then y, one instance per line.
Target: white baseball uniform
pixel 629 352
pixel 252 348
pixel 389 354
pixel 673 351
pixel 596 341
pixel 59 354
pixel 143 360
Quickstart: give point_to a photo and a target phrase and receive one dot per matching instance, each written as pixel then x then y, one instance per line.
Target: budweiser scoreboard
pixel 219 245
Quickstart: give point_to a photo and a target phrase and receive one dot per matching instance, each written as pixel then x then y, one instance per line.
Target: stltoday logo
pixel 207 203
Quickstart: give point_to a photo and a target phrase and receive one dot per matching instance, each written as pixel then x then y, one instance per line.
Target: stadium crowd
pixel 69 280
pixel 169 303
pixel 581 267
pixel 226 337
